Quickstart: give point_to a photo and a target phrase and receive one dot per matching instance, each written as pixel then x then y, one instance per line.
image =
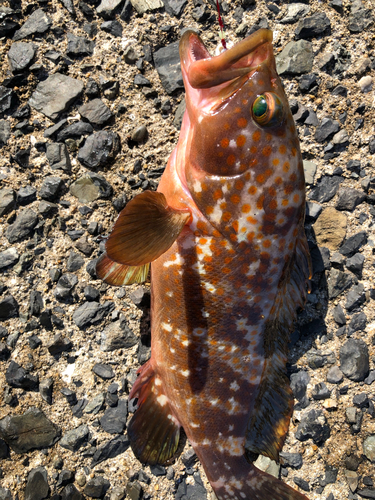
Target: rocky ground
pixel 91 100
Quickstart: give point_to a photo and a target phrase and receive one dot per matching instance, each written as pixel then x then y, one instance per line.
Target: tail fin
pixel 250 483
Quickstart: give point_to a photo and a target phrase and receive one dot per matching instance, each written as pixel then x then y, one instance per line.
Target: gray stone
pixel 167 64
pixel 110 449
pixel 26 195
pixel 100 149
pixel 50 188
pixel 37 23
pixel 313 26
pixel 113 28
pixel 117 335
pixel 355 298
pixel 320 391
pixel 177 122
pixel 309 168
pixel 313 426
pixel 357 323
pixel 79 46
pixel 37 487
pixel 4 132
pixel 103 371
pixel 23 226
pixel 107 8
pixel 47 209
pixel 326 129
pixel 96 112
pixel 5 494
pixel 349 199
pixel 354 359
pixel 8 307
pixel 360 18
pixel 17 376
pixel 338 282
pixel 267 465
pixel 293 460
pixel 114 419
pixel 70 492
pixel 369 448
pixel 194 491
pixel 140 134
pixel 73 440
pixel 59 344
pixel 9 257
pixel 29 431
pixel 90 313
pixel 97 487
pixel 96 404
pixel 353 244
pixel 74 262
pixel 54 95
pixel 355 264
pixel 65 286
pixel 296 58
pixel 74 130
pixel 339 315
pixel 142 6
pixel 46 389
pixel 294 12
pixel 334 375
pixel 174 7
pixel 325 189
pixel 85 189
pixel 58 156
pixel 20 56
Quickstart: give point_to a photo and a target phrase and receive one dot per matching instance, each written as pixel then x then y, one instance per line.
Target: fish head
pixel 241 147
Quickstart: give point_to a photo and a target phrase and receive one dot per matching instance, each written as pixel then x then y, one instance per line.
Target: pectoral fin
pixel 120 274
pixel 145 229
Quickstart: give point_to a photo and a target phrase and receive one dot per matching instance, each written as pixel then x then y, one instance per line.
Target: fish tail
pixel 250 483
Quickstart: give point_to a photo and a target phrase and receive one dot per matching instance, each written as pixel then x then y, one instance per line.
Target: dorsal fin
pixel 269 421
pixel 145 229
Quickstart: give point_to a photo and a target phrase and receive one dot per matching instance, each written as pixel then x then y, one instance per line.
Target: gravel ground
pixel 91 100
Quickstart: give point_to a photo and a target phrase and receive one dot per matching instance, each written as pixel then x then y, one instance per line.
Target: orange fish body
pixel 225 291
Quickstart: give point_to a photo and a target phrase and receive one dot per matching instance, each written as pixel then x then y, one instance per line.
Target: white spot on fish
pixel 234 406
pixel 172 350
pixel 185 373
pixel 185 343
pixel 205 314
pixel 169 294
pixel 214 402
pixel 197 186
pixel 234 386
pixel 179 261
pixel 162 400
pixel 217 212
pixel 167 327
pixel 192 424
pixel 157 381
pixel 209 287
pixel 206 442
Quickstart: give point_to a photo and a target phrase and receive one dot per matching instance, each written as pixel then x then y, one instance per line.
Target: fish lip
pixel 201 71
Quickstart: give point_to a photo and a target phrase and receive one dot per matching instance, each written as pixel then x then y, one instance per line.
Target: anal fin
pixel 269 421
pixel 153 431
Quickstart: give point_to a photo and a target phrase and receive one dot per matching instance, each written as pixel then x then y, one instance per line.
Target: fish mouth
pixel 203 71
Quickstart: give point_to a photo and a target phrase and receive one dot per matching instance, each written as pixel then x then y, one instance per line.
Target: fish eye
pixel 267 110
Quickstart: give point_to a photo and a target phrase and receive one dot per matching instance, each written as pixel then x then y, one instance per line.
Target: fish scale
pixel 229 267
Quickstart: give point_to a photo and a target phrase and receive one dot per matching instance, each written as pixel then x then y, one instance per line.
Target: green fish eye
pixel 267 110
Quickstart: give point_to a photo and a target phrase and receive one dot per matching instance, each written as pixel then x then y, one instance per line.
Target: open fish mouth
pixel 204 71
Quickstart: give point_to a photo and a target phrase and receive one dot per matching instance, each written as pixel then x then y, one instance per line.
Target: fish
pixel 230 266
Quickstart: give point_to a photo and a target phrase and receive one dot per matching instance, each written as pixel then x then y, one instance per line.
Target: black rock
pixel 96 112
pixel 117 335
pixel 340 90
pixel 201 13
pixel 97 487
pixel 69 395
pixel 17 376
pixel 8 258
pixel 108 8
pixel 355 298
pixel 79 46
pixel 91 313
pixel 74 262
pixel 339 315
pixel 141 81
pixel 349 199
pixel 37 23
pixel 31 430
pixel 158 470
pixel 8 27
pixel 366 493
pixel 103 371
pixel 26 195
pixel 65 286
pixel 361 400
pixel 46 389
pixel 92 88
pixel 326 188
pixel 354 359
pixel 52 131
pixel 298 384
pixel 22 157
pixel 174 7
pixel 70 492
pixel 334 375
pixel 20 56
pixel 308 82
pixel 8 308
pixel 59 344
pixel 6 99
pixel 37 486
pixel 50 188
pixel 65 477
pixel 23 226
pixel 191 492
pixel 4 132
pixel 75 130
pixel 358 323
pixel 316 358
pixel 355 264
pixel 112 27
pixel 54 95
pixel 36 303
pixel 114 419
pixel 326 129
pixel 100 149
pixel 301 483
pixel 293 460
pixel 313 426
pixel 110 449
pixel 313 26
pixel 320 391
pixel 167 64
pixel 58 156
pixel 73 440
pixel 4 450
pixel 353 244
pixel 338 282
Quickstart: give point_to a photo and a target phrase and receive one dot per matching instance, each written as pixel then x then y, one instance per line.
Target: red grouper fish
pixel 229 267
